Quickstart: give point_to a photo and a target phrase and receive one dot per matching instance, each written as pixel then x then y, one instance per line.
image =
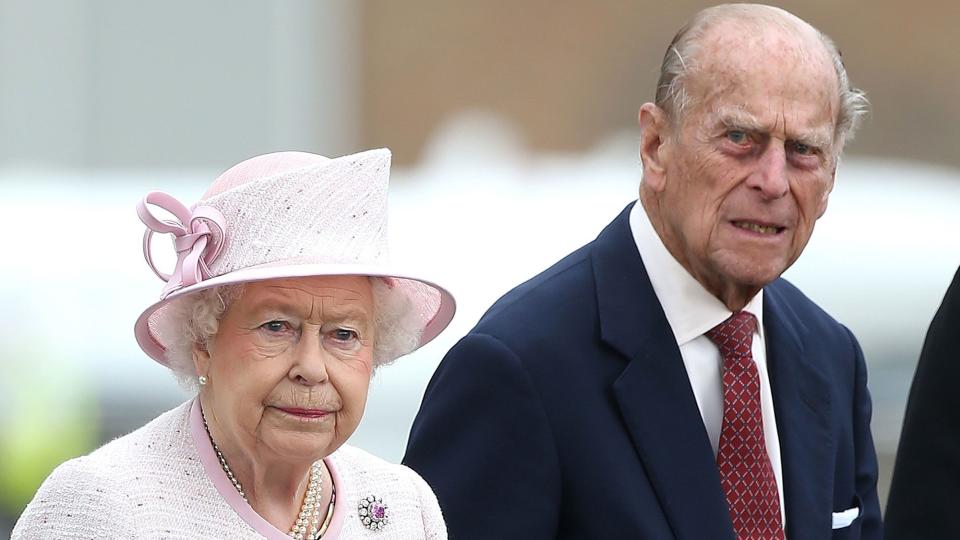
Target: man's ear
pixel 654 153
pixel 822 209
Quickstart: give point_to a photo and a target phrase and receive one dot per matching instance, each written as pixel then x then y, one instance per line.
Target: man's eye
pixel 803 149
pixel 737 136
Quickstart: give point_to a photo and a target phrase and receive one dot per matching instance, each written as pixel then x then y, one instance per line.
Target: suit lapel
pixel 802 406
pixel 653 392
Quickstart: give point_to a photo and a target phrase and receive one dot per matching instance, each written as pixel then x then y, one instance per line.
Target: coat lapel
pixel 653 392
pixel 801 403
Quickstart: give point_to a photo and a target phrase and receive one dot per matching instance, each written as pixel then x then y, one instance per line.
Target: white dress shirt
pixel 691 312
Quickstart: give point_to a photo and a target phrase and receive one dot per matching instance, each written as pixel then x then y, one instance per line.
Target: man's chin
pixel 744 280
pixel 753 272
pixel 759 279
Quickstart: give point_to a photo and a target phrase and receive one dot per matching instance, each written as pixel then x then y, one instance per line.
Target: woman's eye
pixel 737 136
pixel 342 334
pixel 274 326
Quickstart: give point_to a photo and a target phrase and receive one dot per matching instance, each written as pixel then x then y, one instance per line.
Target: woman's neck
pixel 273 486
pixel 281 503
pixel 277 490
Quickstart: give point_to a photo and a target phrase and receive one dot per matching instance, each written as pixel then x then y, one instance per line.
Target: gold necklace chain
pixel 307 525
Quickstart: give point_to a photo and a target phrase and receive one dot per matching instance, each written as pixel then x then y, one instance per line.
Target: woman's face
pixel 290 366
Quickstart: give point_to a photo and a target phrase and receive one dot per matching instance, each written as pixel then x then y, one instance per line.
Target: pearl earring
pixel 202 380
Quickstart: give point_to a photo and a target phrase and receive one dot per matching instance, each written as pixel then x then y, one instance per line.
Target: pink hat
pixel 280 215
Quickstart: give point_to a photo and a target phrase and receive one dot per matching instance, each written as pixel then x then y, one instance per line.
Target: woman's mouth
pixel 304 413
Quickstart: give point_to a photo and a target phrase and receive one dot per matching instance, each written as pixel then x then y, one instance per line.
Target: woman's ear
pixel 201 359
pixel 654 151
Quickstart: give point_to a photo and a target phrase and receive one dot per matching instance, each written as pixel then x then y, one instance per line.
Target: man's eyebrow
pixel 817 139
pixel 740 119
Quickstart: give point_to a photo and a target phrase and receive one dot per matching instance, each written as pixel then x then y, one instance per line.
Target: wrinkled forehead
pixel 757 67
pixel 338 294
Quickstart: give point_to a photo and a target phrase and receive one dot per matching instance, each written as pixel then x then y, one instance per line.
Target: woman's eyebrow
pixel 329 312
pixel 272 304
pixel 347 312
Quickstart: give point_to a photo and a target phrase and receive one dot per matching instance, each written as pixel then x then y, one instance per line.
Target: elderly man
pixel 663 381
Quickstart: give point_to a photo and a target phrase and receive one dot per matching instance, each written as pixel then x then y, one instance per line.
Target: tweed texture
pixel 335 212
pixel 151 484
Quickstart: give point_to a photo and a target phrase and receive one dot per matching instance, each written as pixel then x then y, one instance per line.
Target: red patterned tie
pixel 745 470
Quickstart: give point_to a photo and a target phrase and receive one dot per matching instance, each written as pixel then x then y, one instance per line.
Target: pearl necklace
pixel 307 525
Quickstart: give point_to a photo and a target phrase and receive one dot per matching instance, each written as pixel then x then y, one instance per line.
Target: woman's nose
pixel 310 365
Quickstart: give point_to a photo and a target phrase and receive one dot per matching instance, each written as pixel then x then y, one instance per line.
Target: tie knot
pixel 734 336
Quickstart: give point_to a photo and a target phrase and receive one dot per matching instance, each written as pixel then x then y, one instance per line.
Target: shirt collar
pixel 690 309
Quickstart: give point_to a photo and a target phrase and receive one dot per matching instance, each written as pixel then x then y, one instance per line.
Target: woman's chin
pixel 302 446
pixel 304 437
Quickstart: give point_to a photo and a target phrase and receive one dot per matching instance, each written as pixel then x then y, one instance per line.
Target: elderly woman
pixel 278 311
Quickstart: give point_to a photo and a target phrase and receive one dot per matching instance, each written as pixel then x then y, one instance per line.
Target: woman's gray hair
pixel 195 319
pixel 678 64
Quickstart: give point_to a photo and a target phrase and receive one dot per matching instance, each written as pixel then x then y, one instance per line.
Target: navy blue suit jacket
pixel 567 413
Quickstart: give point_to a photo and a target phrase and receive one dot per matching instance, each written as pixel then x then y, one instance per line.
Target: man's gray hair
pixel 678 64
pixel 196 318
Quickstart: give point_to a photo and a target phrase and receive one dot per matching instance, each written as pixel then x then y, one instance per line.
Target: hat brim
pixel 433 304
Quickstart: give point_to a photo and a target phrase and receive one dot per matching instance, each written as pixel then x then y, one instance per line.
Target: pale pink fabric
pixel 262 167
pixel 155 482
pixel 287 214
pixel 197 237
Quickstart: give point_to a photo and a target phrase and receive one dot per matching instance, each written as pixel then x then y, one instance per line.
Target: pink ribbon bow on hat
pixel 198 239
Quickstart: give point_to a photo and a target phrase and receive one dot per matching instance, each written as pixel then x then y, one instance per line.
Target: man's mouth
pixel 759 228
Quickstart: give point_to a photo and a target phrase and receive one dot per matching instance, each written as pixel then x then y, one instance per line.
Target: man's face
pixel 747 172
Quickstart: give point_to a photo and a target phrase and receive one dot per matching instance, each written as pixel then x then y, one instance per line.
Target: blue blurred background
pixel 514 138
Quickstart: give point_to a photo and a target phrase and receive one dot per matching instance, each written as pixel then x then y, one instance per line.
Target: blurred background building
pixel 513 126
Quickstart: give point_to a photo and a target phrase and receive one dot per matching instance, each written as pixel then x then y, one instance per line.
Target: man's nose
pixel 770 178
